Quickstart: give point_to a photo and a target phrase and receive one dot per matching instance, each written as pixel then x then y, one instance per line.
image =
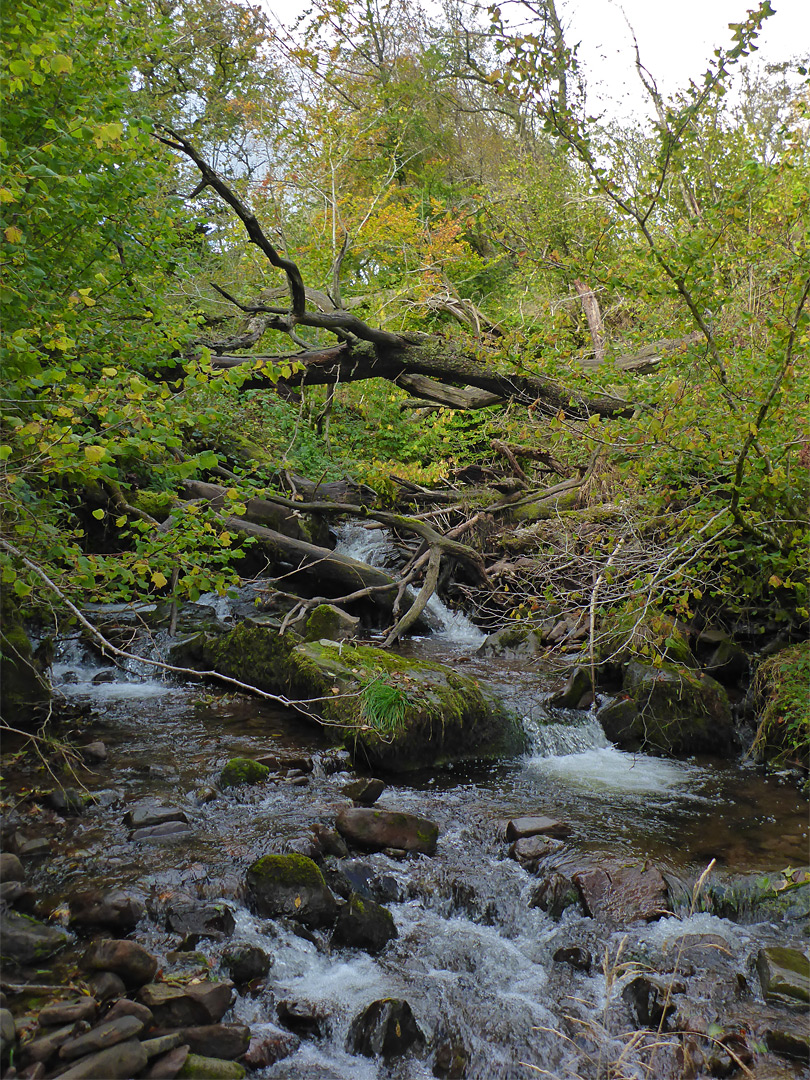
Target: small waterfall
pixel 376 548
pixel 560 740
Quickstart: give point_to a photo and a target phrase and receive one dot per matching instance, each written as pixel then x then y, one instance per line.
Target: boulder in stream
pixel 292 886
pixel 242 770
pixel 364 791
pixel 623 894
pixel 364 924
pixel 385 1028
pixel 127 959
pixel 785 975
pixel 378 829
pixel 395 713
pixel 114 910
pixel 244 963
pixel 119 1062
pixel 29 941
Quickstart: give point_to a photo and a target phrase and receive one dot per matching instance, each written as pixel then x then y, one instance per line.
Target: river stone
pixel 116 910
pixel 362 924
pixel 305 1018
pixel 196 1067
pixel 120 1062
pixel 578 687
pixel 269 1044
pixel 101 1037
pixel 125 1007
pixel 330 841
pixel 451 1058
pixel 162 1044
pixel 8 1032
pixel 574 955
pixel 623 894
pixel 18 895
pixel 512 642
pixel 287 761
pixel 196 1004
pixel 555 894
pixel 68 1012
pixel 94 751
pixel 27 940
pixel 789 1036
pixel 66 801
pixel 538 825
pixel 784 974
pixel 328 621
pixel 160 832
pixel 141 817
pixel 531 849
pixel 11 869
pixel 106 985
pixel 650 999
pixel 242 770
pixel 217 1040
pixel 387 1028
pixel 291 885
pixel 167 1066
pixel 201 921
pixel 127 959
pixel 680 712
pixel 378 829
pixel 44 1047
pixel 365 791
pixel 246 963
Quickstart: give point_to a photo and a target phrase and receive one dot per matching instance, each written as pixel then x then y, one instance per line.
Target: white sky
pixel 677 38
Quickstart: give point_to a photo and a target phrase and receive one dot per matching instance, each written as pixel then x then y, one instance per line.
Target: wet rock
pixel 363 924
pixel 214 921
pixel 623 894
pixel 194 1005
pixel 619 720
pixel 784 974
pixel 246 963
pixel 650 999
pixel 364 791
pixel 11 869
pixel 68 1012
pixel 205 795
pixel 305 1018
pixel 217 1040
pixel 196 1067
pixel 162 1044
pixel 160 832
pixel 512 642
pixel 729 663
pixel 287 762
pixel 116 910
pixel 575 956
pixel 144 816
pixel 555 894
pixel 127 959
pixel 531 849
pixel 36 846
pixel 18 895
pixel 242 770
pixel 269 1044
pixel 119 1062
pixel 94 751
pixel 103 677
pixel 788 1036
pixel 709 951
pixel 577 688
pixel 8 1033
pixel 330 841
pixel 539 825
pixel 167 1066
pixel 125 1007
pixel 44 1047
pixel 679 712
pixel 65 801
pixel 385 1028
pixel 451 1058
pixel 293 886
pixel 304 845
pixel 101 1037
pixel 27 940
pixel 378 829
pixel 106 985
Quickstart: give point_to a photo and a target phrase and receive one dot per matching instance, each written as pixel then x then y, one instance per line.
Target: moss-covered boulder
pixel 785 975
pixel 671 709
pixel 364 924
pixel 513 642
pixel 196 1067
pixel 782 708
pixel 242 770
pixel 291 886
pixel 24 687
pixel 392 712
pixel 28 941
pixel 332 623
pixel 645 634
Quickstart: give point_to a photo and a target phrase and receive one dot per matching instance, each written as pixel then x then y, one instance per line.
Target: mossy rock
pixel 242 770
pixel 392 712
pixel 783 734
pixel 679 712
pixel 644 634
pixel 157 504
pixel 197 1067
pixel 291 886
pixel 23 685
pixel 328 621
pixel 512 642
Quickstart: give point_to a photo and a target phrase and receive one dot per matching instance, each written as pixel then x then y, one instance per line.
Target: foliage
pixel 784 727
pixel 384 706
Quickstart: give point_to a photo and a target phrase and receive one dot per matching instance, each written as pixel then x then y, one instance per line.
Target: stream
pixel 473 958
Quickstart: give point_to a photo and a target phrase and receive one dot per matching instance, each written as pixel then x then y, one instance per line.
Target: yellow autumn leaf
pixel 159 579
pixel 13 234
pixel 94 454
pixel 297 901
pixel 61 64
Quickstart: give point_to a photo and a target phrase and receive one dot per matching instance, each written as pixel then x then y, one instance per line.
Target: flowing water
pixel 473 958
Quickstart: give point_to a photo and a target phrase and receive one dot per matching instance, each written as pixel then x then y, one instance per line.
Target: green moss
pixel 784 726
pixel 240 770
pixel 324 622
pixel 158 504
pixel 289 871
pixel 23 686
pixel 642 633
pixel 197 1067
